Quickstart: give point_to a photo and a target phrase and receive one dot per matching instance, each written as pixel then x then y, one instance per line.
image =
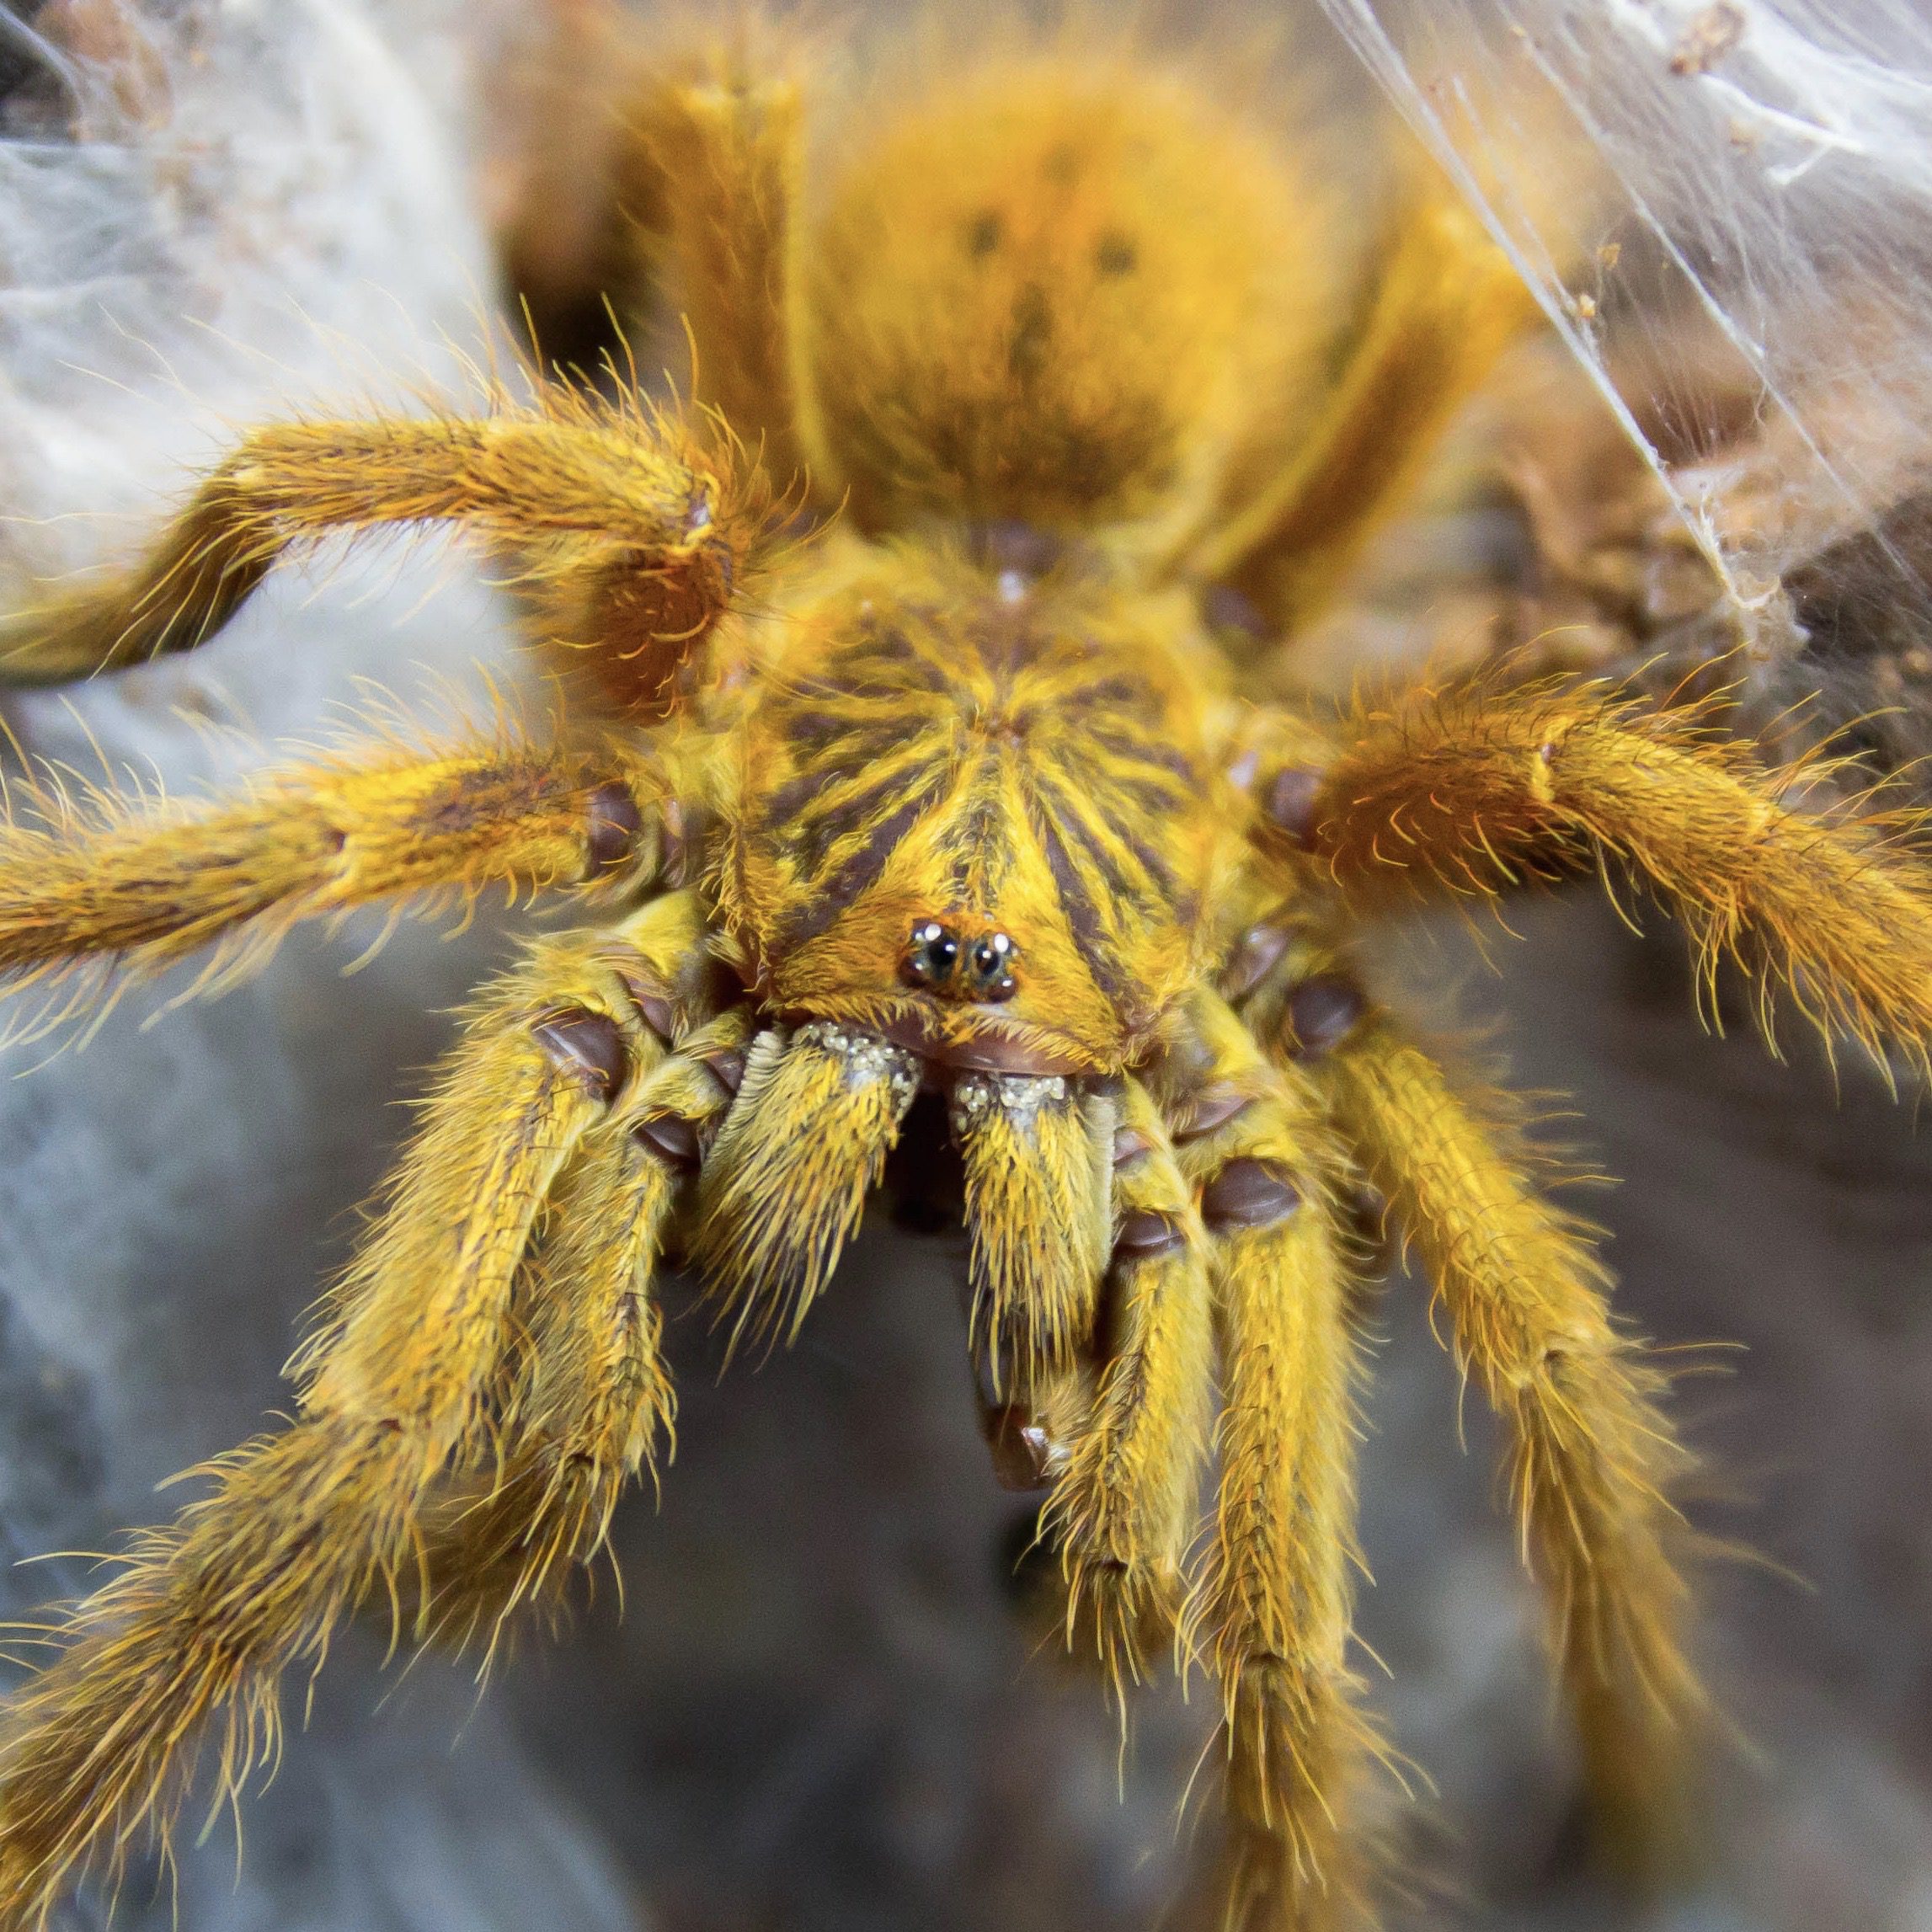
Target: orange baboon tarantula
pixel 955 796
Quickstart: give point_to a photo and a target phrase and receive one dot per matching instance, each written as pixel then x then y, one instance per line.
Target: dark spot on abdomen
pixel 1033 333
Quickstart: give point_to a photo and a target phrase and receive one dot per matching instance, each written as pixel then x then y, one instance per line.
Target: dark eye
pixel 979 970
pixel 930 955
pixel 989 974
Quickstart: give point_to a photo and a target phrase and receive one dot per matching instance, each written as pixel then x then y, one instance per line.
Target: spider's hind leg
pixel 300 1527
pixel 665 185
pixel 723 152
pixel 1447 304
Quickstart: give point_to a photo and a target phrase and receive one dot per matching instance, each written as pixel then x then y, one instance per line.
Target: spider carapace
pixel 939 781
pixel 987 822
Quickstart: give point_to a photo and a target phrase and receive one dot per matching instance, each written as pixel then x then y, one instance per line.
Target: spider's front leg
pixel 1591 1454
pixel 1113 1227
pixel 585 1400
pixel 1124 1507
pixel 1109 1224
pixel 1475 791
pixel 1058 1180
pixel 302 1526
pixel 1276 1603
pixel 631 535
pixel 136 889
pixel 1471 792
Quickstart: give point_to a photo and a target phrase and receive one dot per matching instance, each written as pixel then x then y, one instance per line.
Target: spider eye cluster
pixel 937 959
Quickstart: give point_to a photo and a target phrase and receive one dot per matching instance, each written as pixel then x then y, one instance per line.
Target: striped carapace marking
pixel 1020 728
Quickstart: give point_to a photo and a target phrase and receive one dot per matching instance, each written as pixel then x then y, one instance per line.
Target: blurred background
pixel 817 1700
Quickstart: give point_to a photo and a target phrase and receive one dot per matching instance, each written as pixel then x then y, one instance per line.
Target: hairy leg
pixel 584 1415
pixel 632 536
pixel 591 1395
pixel 1477 790
pixel 717 156
pixel 299 1527
pixel 136 889
pixel 1591 1456
pixel 1447 304
pixel 1278 1594
pixel 583 1396
pixel 1123 1508
pixel 1275 1605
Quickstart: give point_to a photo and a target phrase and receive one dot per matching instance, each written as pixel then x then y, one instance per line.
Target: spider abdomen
pixel 1052 294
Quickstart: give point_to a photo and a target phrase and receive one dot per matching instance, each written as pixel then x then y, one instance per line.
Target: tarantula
pixel 931 777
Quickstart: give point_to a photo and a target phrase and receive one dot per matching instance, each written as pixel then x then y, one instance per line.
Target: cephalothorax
pixel 955 792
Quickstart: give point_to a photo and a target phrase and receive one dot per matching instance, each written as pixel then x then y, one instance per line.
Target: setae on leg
pixel 1477 790
pixel 1278 1597
pixel 714 159
pixel 302 1526
pixel 590 1395
pixel 1591 1456
pixel 632 525
pixel 1276 1604
pixel 1447 304
pixel 147 887
pixel 1123 1509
